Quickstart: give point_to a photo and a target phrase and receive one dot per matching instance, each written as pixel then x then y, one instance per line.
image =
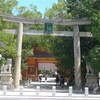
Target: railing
pixel 47 94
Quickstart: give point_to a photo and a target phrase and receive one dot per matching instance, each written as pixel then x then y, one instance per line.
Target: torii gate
pixel 76 34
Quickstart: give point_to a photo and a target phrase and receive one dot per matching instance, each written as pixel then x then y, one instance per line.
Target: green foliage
pixel 63 50
pixel 87 44
pixel 24 66
pixel 26 53
pixel 87 9
pixel 58 11
pixel 2 61
pixel 9 50
pixel 7 6
pixel 29 42
pixel 30 12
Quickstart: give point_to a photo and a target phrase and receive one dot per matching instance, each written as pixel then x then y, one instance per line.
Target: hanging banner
pixel 48 28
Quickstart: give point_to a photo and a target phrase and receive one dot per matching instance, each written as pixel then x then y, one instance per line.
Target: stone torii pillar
pixel 77 57
pixel 17 69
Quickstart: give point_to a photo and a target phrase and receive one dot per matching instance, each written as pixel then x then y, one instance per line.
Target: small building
pixel 42 62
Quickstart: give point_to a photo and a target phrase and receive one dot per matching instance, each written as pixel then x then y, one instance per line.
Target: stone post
pixel 86 91
pixel 70 90
pixel 4 90
pixel 21 90
pixel 77 57
pixel 37 90
pixel 53 90
pixel 17 67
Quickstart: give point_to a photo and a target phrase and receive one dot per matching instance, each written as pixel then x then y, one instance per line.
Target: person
pixel 71 80
pixel 99 79
pixel 57 79
pixel 40 77
pixel 45 78
pixel 55 73
pixel 62 81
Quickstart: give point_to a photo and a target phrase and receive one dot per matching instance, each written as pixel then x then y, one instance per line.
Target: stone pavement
pixel 29 93
pixel 46 86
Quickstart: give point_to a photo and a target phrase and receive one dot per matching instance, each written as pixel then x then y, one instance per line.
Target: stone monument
pixel 91 79
pixel 5 75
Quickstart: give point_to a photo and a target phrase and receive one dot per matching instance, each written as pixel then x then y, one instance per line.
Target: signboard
pixel 48 28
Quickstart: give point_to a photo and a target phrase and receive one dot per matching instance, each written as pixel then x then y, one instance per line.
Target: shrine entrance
pixel 37 65
pixel 42 62
pixel 75 23
pixel 47 69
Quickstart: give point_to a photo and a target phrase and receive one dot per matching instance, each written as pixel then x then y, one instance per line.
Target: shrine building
pixel 41 61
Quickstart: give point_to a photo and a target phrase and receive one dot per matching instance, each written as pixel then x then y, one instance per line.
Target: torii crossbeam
pixel 76 34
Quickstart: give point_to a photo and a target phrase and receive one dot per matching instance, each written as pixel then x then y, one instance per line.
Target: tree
pixel 63 50
pixel 30 12
pixel 6 7
pixel 58 11
pixel 89 9
pixel 45 42
pixel 9 50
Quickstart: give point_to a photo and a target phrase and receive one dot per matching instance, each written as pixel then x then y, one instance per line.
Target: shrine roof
pixel 43 55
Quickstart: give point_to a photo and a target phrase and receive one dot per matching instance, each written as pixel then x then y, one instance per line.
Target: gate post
pixel 17 68
pixel 77 57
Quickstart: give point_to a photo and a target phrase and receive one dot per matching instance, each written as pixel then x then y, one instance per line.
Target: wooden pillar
pixel 77 57
pixel 17 68
pixel 36 69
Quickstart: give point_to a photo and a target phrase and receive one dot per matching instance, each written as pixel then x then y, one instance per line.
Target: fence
pixel 52 94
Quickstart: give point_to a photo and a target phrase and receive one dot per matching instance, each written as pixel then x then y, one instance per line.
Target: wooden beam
pixel 42 21
pixel 55 33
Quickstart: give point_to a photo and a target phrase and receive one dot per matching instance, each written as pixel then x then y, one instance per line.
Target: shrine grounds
pixel 47 90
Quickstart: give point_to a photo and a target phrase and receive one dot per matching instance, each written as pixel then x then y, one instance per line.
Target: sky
pixel 41 4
